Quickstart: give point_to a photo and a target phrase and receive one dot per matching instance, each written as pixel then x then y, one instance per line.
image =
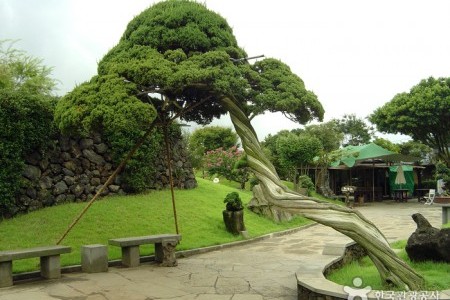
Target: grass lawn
pixel 436 274
pixel 199 219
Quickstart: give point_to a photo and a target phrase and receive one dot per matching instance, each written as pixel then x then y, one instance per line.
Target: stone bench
pixel 49 261
pixel 445 213
pixel 164 248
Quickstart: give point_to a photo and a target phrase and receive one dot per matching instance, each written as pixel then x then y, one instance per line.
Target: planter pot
pixel 234 221
pixel 442 199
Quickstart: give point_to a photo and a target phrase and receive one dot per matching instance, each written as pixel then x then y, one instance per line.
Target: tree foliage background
pixel 209 138
pixel 356 131
pixel 423 113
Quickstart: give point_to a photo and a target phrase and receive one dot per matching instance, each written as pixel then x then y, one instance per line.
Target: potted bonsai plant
pixel 233 215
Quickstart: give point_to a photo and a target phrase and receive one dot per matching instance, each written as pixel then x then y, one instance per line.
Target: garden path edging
pixel 311 281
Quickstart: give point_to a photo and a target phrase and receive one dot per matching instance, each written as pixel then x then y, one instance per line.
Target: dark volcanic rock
pixel 427 242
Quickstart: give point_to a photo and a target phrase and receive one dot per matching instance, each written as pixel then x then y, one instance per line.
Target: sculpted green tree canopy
pixel 181 60
pixel 183 51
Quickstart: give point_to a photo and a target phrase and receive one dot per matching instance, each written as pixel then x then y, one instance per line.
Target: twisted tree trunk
pixel 274 198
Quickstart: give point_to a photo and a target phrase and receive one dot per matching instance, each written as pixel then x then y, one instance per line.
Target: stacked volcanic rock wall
pixel 182 171
pixel 73 169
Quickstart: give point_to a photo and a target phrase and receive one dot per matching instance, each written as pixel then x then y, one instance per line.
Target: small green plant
pixel 233 202
pixel 304 181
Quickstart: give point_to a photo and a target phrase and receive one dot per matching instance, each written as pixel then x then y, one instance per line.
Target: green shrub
pixel 139 172
pixel 428 184
pixel 27 123
pixel 305 182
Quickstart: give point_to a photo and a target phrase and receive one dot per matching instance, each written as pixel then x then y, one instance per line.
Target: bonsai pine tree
pixel 233 202
pixel 179 60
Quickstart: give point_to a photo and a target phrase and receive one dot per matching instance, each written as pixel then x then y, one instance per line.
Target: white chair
pixel 430 197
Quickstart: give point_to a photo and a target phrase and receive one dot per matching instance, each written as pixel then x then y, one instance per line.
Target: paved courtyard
pixel 261 270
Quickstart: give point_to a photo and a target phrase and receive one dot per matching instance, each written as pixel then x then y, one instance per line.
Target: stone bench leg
pixel 130 256
pixel 50 267
pixel 165 253
pixel 6 278
pixel 94 258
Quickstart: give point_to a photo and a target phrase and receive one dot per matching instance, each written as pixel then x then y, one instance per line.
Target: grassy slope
pixel 199 217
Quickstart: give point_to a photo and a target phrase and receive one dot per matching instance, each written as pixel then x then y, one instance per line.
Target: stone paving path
pixel 262 270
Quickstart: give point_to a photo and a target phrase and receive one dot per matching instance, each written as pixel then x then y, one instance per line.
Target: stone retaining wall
pixel 73 169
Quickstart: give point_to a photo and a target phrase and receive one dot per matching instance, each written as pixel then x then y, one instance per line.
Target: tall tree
pixel 423 113
pixel 189 56
pixel 417 149
pixel 331 138
pixel 269 145
pixel 386 144
pixel 213 137
pixel 328 133
pixel 22 72
pixel 297 151
pixel 356 131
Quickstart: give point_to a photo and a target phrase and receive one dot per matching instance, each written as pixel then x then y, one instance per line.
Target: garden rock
pixel 70 165
pixel 60 198
pixel 101 148
pixel 95 181
pixel 60 188
pixel 69 180
pixel 93 157
pixel 114 188
pixel 43 164
pixel 77 190
pixel 427 242
pixel 45 182
pixel 68 172
pixel 55 168
pixel 31 172
pixel 86 143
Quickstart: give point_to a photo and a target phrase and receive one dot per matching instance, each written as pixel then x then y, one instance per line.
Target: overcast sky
pixel 355 55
